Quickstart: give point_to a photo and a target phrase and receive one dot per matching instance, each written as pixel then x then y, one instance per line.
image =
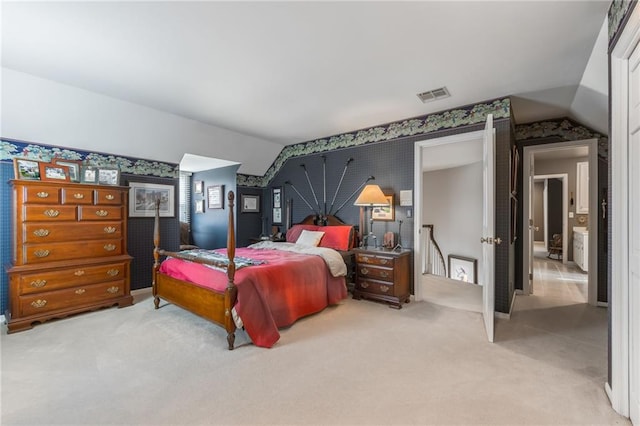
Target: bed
pixel 261 288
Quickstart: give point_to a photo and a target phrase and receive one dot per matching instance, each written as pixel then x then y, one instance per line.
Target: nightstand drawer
pixel 375 287
pixel 375 260
pixel 367 271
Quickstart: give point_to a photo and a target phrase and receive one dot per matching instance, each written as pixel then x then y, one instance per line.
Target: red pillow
pixel 296 230
pixel 336 237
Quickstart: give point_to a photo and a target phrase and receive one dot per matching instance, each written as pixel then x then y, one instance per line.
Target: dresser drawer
pixel 109 196
pixel 375 287
pixel 77 196
pixel 375 260
pixel 89 213
pixel 39 282
pixel 53 252
pixel 41 194
pixel 62 232
pixel 61 299
pixel 51 213
pixel 368 271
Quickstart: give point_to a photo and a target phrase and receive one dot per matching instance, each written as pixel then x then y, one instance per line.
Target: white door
pixel 488 229
pixel 531 230
pixel 634 236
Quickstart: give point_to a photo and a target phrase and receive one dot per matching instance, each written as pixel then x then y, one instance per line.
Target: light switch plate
pixel 570 215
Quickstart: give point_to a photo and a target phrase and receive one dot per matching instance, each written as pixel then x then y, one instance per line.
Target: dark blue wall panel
pixel 6 174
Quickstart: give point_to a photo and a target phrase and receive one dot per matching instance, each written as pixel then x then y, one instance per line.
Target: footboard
pixel 212 305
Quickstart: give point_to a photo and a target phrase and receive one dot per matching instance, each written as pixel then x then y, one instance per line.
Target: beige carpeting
pixel 357 363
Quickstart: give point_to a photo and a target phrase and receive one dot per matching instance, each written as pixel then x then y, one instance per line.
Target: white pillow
pixel 310 238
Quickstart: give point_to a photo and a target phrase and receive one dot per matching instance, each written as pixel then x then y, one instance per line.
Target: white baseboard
pixel 602 304
pixel 607 390
pixel 519 292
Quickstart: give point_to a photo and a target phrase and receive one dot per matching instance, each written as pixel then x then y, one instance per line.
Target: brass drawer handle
pixel 384 261
pixel 38 283
pixel 364 284
pixel 113 290
pixel 110 229
pixel 110 197
pixel 384 274
pixel 52 213
pixel 42 194
pixel 101 213
pixel 40 303
pixel 109 247
pixel 78 196
pixel 80 291
pixel 113 272
pixel 79 273
pixel 41 253
pixel 41 232
pixel 364 271
pixel 384 288
pixel 365 259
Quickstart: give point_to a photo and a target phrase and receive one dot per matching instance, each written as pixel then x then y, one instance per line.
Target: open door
pixel 531 228
pixel 488 229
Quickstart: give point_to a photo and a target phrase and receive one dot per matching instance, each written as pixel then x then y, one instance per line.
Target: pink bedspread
pixel 272 295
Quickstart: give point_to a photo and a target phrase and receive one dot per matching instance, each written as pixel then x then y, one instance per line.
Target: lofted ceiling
pixel 289 72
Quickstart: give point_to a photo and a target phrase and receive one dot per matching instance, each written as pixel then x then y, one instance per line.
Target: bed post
pixel 231 291
pixel 156 255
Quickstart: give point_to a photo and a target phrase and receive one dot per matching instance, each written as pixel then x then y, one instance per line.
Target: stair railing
pixel 433 261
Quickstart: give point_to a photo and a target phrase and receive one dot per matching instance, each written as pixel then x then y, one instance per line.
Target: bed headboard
pixel 343 236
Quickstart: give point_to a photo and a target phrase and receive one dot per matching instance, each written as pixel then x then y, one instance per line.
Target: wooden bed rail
pixel 230 293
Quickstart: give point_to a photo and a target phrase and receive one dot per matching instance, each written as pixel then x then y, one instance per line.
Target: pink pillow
pixel 294 233
pixel 336 237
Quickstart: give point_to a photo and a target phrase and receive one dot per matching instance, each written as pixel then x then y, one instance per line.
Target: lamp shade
pixel 371 195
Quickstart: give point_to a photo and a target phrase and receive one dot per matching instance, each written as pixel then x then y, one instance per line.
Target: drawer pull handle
pixel 364 284
pixel 113 290
pixel 113 272
pixel 52 213
pixel 79 273
pixel 78 196
pixel 101 213
pixel 41 232
pixel 384 274
pixel 109 197
pixel 384 288
pixel 384 261
pixel 364 271
pixel 110 229
pixel 38 283
pixel 41 253
pixel 109 247
pixel 40 303
pixel 80 291
pixel 365 259
pixel 42 194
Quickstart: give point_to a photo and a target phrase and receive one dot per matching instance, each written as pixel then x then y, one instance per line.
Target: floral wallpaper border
pixel 563 128
pixel 617 12
pixel 464 116
pixel 10 148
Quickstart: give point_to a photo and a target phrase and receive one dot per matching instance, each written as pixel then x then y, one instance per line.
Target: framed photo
pixel 88 174
pixel 198 187
pixel 515 164
pixel 199 206
pixel 73 165
pixel 463 268
pixel 385 212
pixel 277 216
pixel 23 168
pixel 108 176
pixel 215 196
pixel 277 198
pixel 50 171
pixel 143 198
pixel 249 203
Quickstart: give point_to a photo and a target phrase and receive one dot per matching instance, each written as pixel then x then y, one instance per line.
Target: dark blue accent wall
pixel 6 174
pixel 209 229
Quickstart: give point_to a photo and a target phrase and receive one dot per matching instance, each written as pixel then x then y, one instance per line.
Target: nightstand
pixel 383 274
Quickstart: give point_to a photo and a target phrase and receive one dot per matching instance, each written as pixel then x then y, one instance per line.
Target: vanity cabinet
pixel 582 188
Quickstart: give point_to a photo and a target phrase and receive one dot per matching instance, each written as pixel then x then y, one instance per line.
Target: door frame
pixel 564 177
pixel 618 386
pixel 594 206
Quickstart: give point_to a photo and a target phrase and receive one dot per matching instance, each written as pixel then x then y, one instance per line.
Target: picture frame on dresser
pixel 89 174
pixel 26 169
pixel 143 198
pixel 54 172
pixel 108 175
pixel 73 165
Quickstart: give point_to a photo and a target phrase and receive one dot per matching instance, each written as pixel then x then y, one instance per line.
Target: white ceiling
pixel 289 72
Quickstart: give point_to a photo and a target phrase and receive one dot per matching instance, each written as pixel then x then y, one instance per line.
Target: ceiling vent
pixel 433 95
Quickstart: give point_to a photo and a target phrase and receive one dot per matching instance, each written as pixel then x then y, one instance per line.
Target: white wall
pixel 452 202
pixel 43 111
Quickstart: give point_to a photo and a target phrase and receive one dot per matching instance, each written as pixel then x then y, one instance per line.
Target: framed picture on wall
pixel 463 268
pixel 384 212
pixel 198 187
pixel 215 195
pixel 144 196
pixel 249 203
pixel 200 206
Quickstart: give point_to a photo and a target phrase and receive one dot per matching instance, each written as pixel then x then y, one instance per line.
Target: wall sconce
pixel 371 196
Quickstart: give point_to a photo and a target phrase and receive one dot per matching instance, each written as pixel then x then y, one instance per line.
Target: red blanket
pixel 287 287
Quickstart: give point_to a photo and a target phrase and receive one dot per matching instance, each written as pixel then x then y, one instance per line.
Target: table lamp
pixel 371 196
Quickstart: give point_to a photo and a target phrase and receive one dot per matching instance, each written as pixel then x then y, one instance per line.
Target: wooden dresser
pixel 383 275
pixel 69 251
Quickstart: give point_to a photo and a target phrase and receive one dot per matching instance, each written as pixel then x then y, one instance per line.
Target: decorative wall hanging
pixel 215 196
pixel 144 196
